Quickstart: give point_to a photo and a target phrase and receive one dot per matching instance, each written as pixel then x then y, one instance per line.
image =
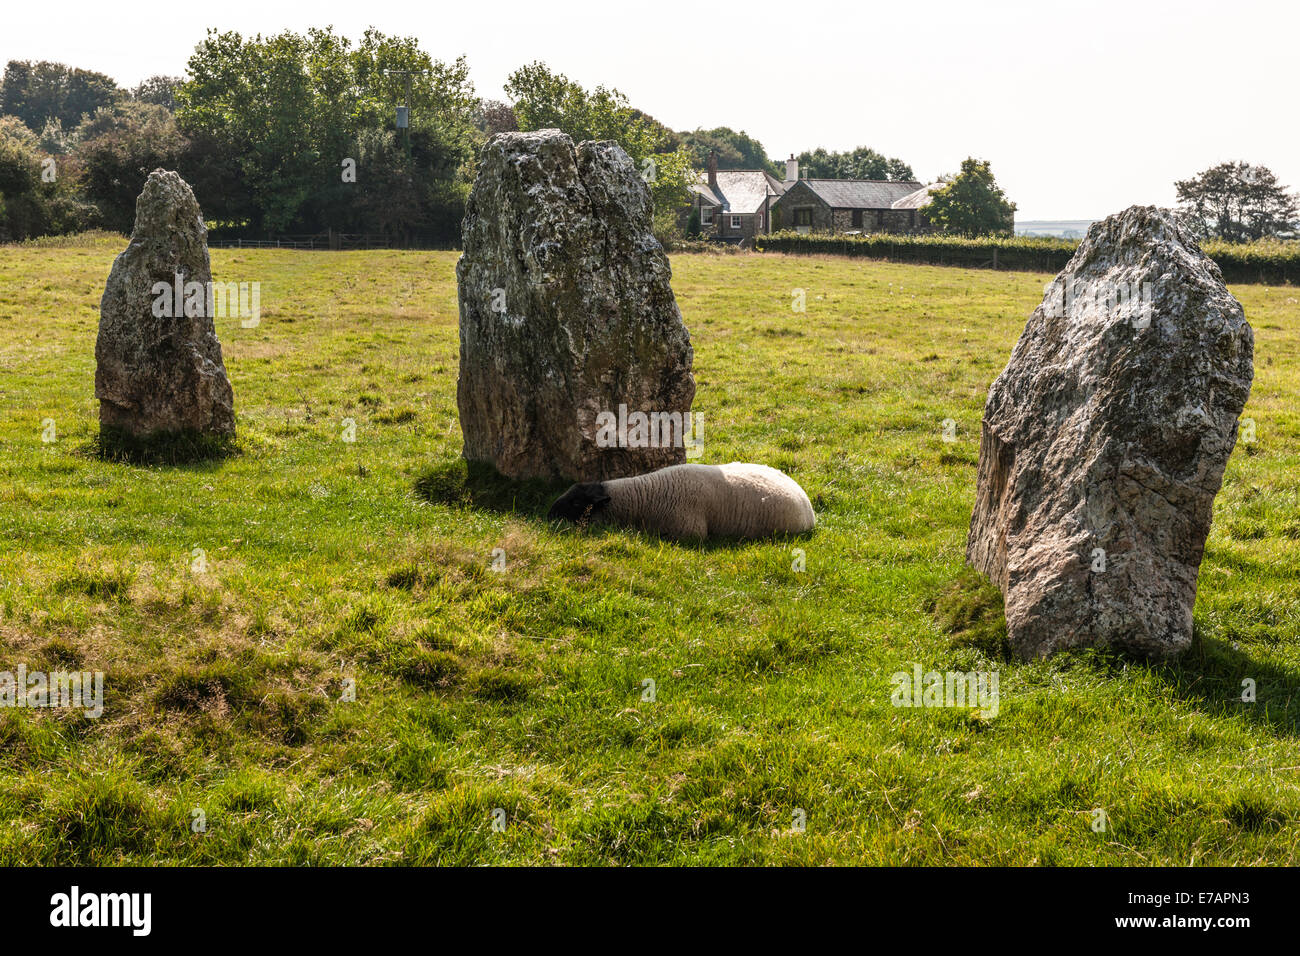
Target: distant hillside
pixel 1061 228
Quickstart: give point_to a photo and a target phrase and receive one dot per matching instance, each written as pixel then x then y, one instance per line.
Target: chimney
pixel 791 169
pixel 713 170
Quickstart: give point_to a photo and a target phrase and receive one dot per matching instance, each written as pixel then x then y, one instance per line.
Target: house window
pixel 735 222
pixel 803 217
pixel 857 219
pixel 706 215
pixel 760 220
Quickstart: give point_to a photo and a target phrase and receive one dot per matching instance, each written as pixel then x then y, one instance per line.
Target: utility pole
pixel 404 111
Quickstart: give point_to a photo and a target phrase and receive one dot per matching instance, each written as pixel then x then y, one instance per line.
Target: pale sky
pixel 1083 108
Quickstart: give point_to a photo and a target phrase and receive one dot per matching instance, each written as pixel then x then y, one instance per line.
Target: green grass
pixel 369 565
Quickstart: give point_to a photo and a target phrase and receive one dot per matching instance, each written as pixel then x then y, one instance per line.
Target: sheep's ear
pixel 595 493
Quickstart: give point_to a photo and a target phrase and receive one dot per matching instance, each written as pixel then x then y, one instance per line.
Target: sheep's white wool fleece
pixel 737 500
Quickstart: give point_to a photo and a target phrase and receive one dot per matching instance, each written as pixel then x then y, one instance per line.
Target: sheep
pixel 737 500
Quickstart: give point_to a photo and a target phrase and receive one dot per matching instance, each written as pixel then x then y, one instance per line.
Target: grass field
pixel 370 562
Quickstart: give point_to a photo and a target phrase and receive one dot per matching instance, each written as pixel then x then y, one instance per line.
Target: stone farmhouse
pixel 735 205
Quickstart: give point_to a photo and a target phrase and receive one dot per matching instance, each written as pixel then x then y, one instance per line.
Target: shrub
pixel 1269 261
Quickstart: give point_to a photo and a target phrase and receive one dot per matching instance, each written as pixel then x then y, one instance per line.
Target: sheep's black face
pixel 587 501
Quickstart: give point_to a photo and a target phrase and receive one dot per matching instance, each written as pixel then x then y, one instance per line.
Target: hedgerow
pixel 1272 262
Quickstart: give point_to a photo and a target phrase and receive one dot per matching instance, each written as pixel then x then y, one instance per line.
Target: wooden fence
pixel 331 242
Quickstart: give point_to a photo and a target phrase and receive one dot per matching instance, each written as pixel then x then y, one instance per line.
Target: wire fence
pixel 335 242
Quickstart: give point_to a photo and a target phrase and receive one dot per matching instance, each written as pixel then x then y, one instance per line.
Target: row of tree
pixel 292 134
pixel 296 134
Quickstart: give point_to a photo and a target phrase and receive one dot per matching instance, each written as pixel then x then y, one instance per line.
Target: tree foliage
pixel 118 147
pixel 543 99
pixel 971 203
pixel 37 92
pixel 493 116
pixel 158 90
pixel 1239 202
pixel 38 193
pixel 290 109
pixel 734 150
pixel 861 163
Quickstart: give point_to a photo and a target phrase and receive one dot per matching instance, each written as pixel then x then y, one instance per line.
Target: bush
pixel 117 149
pixel 1270 261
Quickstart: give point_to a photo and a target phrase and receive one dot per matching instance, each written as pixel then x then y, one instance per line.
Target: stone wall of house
pixel 725 230
pixel 903 220
pixel 842 220
pixel 721 227
pixel 784 213
pixel 799 197
pixel 749 227
pixel 878 220
pixel 696 207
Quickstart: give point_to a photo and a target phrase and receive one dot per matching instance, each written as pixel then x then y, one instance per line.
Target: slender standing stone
pixel 158 366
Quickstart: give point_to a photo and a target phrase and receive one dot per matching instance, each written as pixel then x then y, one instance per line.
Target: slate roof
pixel 860 193
pixel 740 191
pixel 704 190
pixel 917 199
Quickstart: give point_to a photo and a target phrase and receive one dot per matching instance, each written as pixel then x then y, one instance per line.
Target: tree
pixel 971 203
pixel 32 204
pixel 493 116
pixel 734 150
pixel 289 110
pixel 254 99
pixel 547 100
pixel 118 148
pixel 669 141
pixel 669 176
pixel 860 163
pixel 158 90
pixel 1238 202
pixel 42 91
pixel 21 212
pixel 402 196
pixel 54 139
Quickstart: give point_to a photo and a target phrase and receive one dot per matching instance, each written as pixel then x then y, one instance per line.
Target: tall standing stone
pixel 158 366
pixel 1105 440
pixel 566 312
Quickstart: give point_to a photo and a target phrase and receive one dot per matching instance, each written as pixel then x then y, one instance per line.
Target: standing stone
pixel 1105 440
pixel 158 367
pixel 566 312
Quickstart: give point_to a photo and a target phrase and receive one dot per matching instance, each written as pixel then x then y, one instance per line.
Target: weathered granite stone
pixel 158 367
pixel 566 312
pixel 1105 439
